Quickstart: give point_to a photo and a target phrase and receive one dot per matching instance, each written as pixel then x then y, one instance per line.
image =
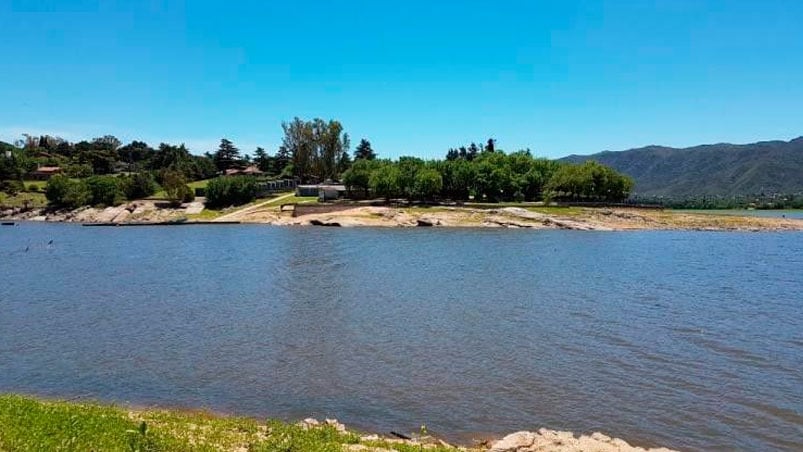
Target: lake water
pixel 685 339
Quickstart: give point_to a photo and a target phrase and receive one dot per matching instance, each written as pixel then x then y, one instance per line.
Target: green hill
pixel 765 167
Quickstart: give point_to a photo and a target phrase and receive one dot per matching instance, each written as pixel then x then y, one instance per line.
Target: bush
pixel 63 192
pixel 79 171
pixel 56 189
pixel 105 190
pixel 139 185
pixel 231 191
pixel 175 187
pixel 187 195
pixel 12 187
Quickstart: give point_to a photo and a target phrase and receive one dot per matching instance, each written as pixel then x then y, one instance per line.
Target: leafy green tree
pixel 297 142
pixel 358 177
pixel 139 185
pixel 14 164
pixel 61 191
pixel 178 158
pixel 364 151
pixel 135 152
pixel 176 188
pixel 384 181
pixel 202 167
pixel 590 181
pixel 317 148
pixel 231 191
pixel 408 168
pixel 428 183
pixel 106 143
pixel 101 160
pixel 80 170
pixel 104 190
pixel 462 180
pixel 56 189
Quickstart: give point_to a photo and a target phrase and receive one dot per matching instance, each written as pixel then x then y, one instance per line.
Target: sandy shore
pixel 584 219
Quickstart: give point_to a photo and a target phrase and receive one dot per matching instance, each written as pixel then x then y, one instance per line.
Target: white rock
pixel 309 423
pixel 514 442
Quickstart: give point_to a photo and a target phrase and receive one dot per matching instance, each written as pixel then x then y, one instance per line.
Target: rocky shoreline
pixel 522 441
pixel 581 219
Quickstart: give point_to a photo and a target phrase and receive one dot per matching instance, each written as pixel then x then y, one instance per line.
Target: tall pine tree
pixel 364 151
pixel 227 155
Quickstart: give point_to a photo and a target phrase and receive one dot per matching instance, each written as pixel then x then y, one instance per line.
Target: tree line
pixel 106 171
pixel 490 175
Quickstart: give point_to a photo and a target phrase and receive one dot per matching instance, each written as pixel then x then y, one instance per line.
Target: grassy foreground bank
pixel 29 424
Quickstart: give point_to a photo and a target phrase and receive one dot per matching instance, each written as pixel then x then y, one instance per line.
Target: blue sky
pixel 414 77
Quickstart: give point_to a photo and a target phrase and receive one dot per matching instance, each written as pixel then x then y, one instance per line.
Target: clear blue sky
pixel 415 77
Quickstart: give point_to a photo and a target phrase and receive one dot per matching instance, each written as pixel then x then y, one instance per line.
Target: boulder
pixel 309 423
pixel 337 425
pixel 514 442
pixel 324 223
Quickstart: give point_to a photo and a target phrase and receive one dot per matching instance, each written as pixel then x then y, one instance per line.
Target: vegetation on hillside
pixel 718 175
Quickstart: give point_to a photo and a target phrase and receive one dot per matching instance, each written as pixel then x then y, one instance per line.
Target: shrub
pixel 33 187
pixel 139 185
pixel 175 187
pixel 231 191
pixel 187 195
pixel 56 189
pixel 12 187
pixel 63 192
pixel 104 190
pixel 79 170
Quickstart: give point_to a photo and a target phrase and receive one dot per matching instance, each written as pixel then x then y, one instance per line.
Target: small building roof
pixel 248 170
pixel 48 169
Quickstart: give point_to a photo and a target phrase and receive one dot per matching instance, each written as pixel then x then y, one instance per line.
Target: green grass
pixel 34 199
pixel 565 211
pixel 193 185
pixel 205 215
pixel 29 424
pixel 293 200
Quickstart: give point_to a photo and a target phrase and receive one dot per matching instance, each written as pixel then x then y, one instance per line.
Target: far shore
pixel 506 216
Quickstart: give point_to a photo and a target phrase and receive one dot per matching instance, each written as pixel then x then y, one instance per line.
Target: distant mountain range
pixel 713 170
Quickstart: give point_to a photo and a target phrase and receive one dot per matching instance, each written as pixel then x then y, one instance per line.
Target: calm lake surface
pixel 685 339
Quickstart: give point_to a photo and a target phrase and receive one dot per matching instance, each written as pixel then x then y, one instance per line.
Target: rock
pixel 324 223
pixel 337 425
pixel 514 442
pixel 121 217
pixel 309 423
pixel 423 223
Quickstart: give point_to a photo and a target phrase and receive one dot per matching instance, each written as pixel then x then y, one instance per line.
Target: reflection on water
pixel 691 340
